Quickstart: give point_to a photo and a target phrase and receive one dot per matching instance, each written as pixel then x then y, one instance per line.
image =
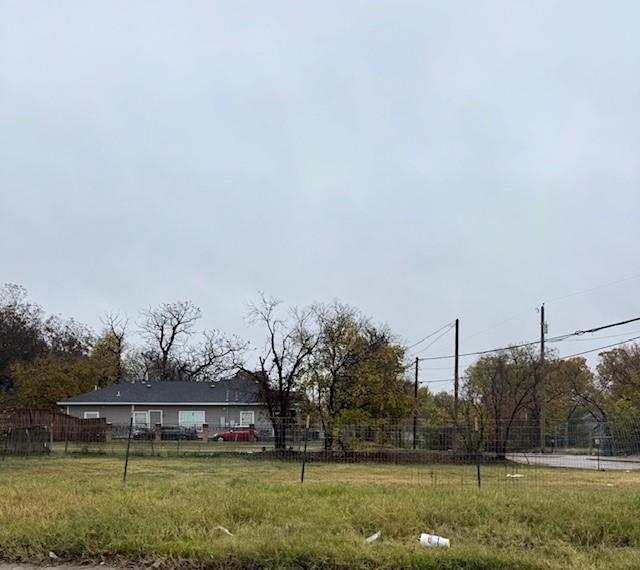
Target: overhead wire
pixel 559 338
pixel 490 350
pixel 428 336
pixel 450 326
pixel 600 348
pixel 561 358
pixel 436 381
pixel 591 339
pixel 633 277
pixel 596 329
pixel 598 287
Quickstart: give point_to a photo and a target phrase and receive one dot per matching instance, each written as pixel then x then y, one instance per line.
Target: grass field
pixel 170 511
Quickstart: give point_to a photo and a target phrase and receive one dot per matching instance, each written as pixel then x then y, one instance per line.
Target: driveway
pixel 577 461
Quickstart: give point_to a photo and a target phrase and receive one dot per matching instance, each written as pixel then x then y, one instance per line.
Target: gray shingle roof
pixel 240 388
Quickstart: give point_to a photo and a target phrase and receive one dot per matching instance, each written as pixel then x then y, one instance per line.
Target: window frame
pixel 92 416
pixel 146 415
pixel 253 418
pixel 192 425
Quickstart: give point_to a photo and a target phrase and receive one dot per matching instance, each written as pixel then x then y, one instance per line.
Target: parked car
pixel 167 433
pixel 141 432
pixel 236 434
pixel 175 433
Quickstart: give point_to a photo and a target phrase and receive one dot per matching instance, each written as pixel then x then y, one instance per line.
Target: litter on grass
pixel 515 475
pixel 434 540
pixel 374 536
pixel 225 530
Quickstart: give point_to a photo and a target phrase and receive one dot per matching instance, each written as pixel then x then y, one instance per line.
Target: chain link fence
pixel 475 453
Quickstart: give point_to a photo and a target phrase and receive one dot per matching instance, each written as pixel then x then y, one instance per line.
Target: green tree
pixel 330 376
pixel 106 360
pixel 379 390
pixel 618 376
pixel 569 391
pixel 356 375
pixel 502 385
pixel 51 378
pixel 21 335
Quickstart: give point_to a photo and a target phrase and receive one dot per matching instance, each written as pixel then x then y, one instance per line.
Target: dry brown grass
pixel 170 510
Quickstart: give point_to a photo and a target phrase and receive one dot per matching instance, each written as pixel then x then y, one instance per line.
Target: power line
pixel 610 284
pixel 525 344
pixel 608 326
pixel 428 336
pixel 413 356
pixel 496 325
pixel 442 380
pixel 451 325
pixel 600 348
pixel 490 350
pixel 436 381
pixel 553 300
pixel 591 339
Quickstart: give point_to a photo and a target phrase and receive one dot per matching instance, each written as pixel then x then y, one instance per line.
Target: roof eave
pixel 65 403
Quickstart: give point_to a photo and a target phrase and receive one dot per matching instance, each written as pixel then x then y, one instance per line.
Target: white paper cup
pixel 434 540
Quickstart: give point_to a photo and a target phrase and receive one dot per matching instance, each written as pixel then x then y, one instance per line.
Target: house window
pixel 192 419
pixel 247 418
pixel 91 415
pixel 141 419
pixel 155 417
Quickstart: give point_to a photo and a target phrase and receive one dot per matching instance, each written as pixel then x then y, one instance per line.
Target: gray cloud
pixel 422 161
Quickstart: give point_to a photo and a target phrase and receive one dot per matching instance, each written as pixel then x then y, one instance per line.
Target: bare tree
pixel 170 354
pixel 167 328
pixel 116 327
pixel 290 343
pixel 215 355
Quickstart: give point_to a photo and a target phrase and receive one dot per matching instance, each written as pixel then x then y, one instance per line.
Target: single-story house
pixel 230 402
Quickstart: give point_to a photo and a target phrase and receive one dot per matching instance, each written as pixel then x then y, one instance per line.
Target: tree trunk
pixel 280 431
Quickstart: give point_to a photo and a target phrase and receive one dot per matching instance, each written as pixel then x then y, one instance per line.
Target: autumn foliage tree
pixel 356 373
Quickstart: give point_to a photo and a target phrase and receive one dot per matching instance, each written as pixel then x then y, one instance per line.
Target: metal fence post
pixel 5 448
pixel 478 448
pixel 304 452
pixel 126 457
pixel 66 435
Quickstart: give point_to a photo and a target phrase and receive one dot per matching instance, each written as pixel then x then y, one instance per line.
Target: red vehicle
pixel 237 434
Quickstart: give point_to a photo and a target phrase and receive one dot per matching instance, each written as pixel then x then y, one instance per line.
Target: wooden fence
pixel 62 426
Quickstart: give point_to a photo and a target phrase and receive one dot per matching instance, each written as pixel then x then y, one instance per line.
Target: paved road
pixel 577 461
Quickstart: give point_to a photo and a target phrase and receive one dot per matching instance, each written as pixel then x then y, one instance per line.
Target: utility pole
pixel 415 405
pixel 455 374
pixel 541 390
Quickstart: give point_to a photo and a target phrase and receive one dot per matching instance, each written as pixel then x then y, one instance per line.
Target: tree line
pixel 328 360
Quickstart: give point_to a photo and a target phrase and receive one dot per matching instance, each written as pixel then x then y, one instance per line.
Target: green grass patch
pixel 170 511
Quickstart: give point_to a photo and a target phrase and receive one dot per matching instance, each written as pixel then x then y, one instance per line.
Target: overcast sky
pixel 420 160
